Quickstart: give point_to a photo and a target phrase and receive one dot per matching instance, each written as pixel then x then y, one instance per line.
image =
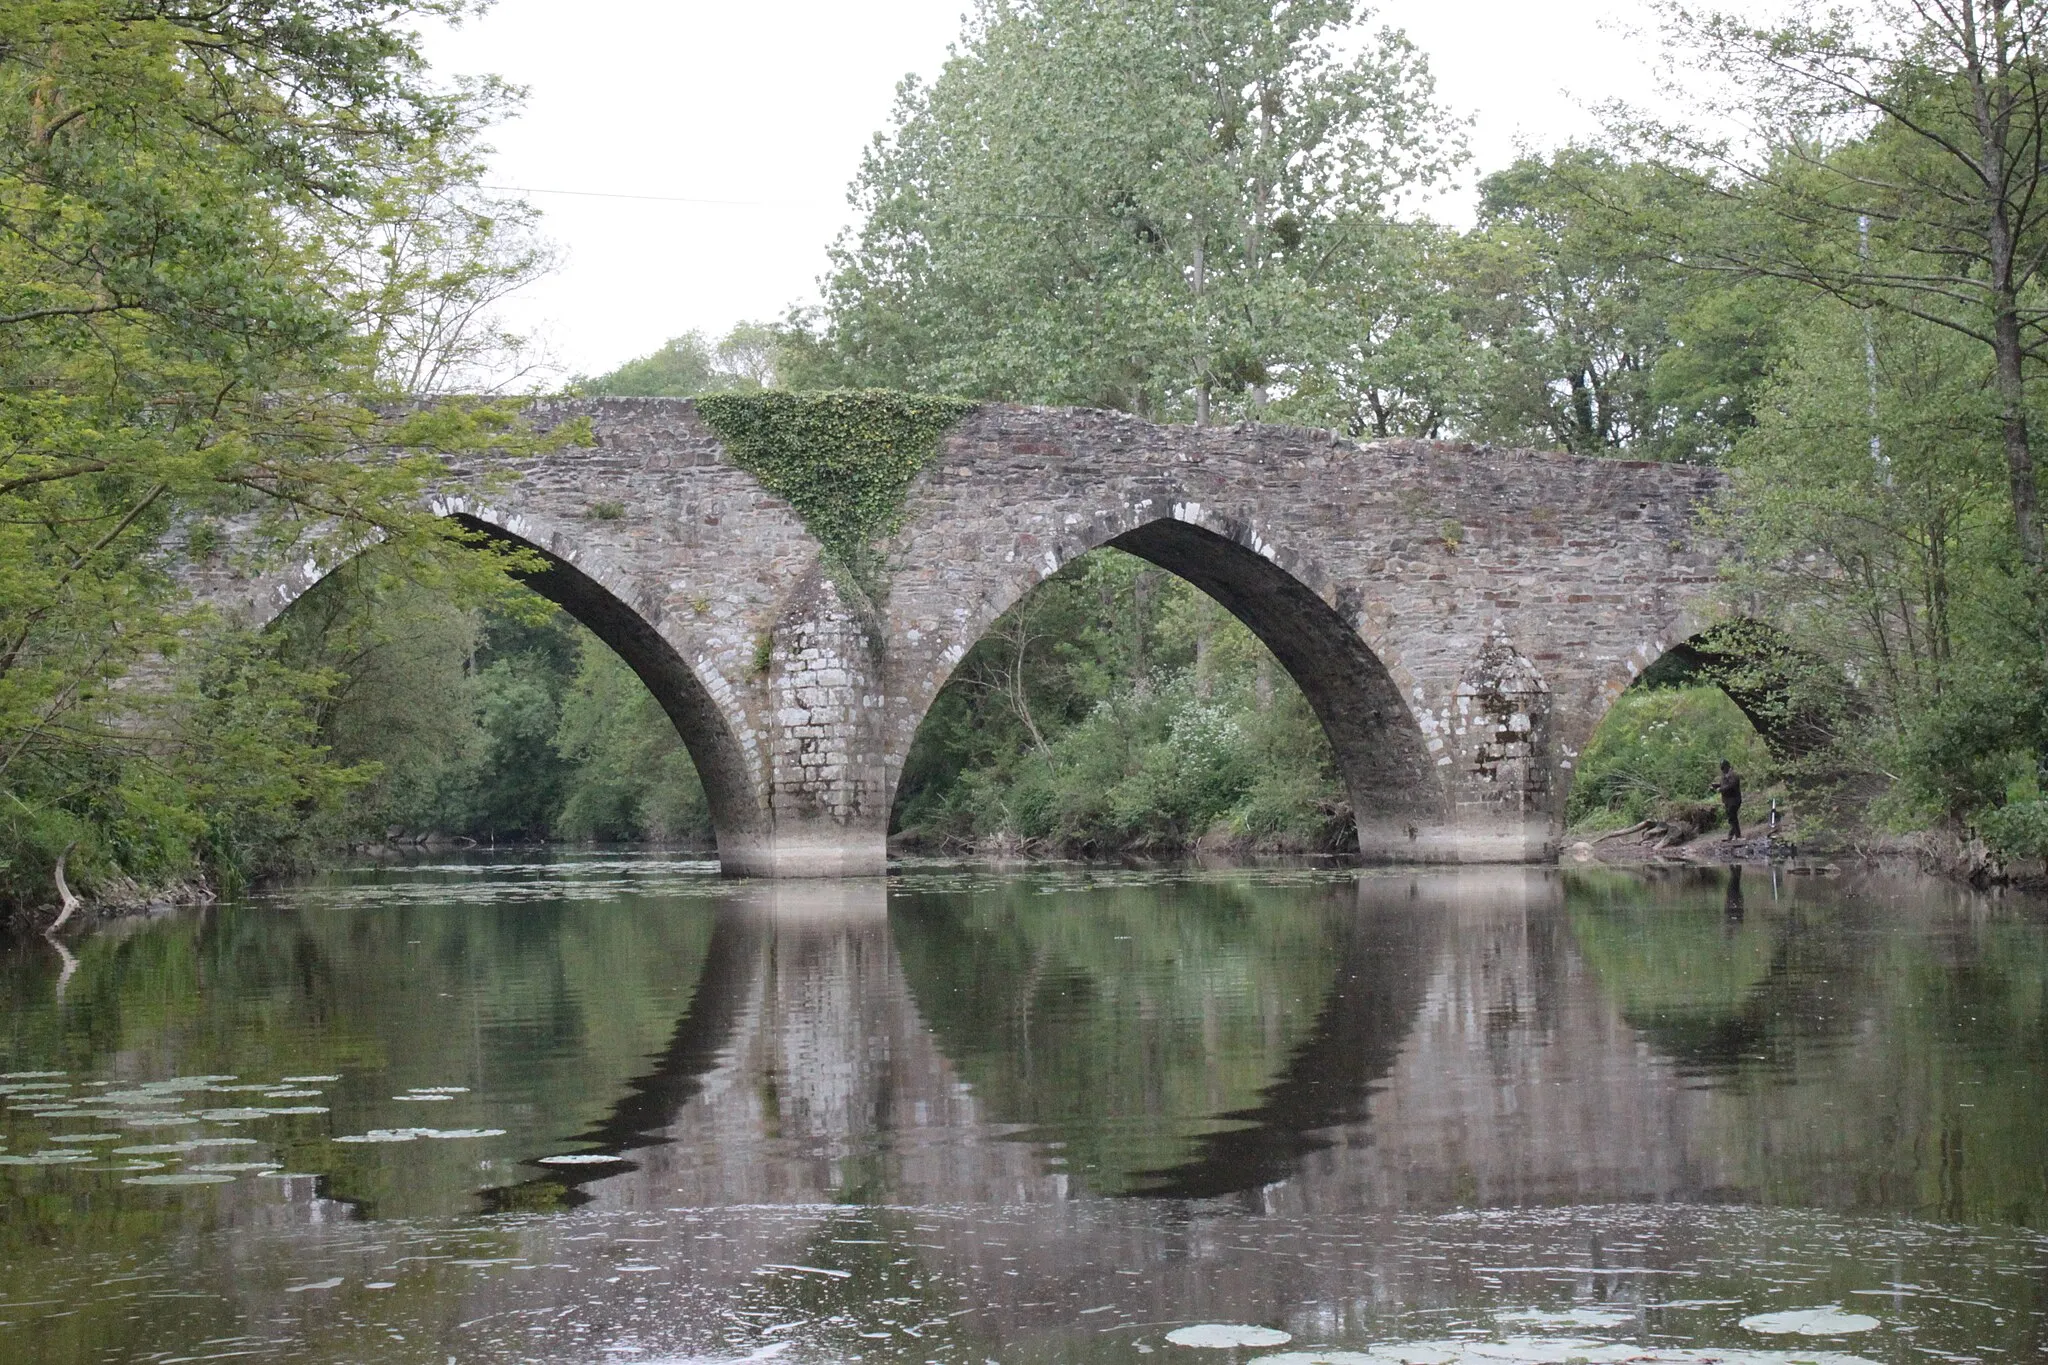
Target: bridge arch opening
pixel 628 637
pixel 1325 707
pixel 1740 690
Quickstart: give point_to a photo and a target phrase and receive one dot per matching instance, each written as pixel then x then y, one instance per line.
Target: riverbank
pixel 1934 853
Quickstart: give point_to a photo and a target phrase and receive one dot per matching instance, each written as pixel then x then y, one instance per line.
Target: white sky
pixel 767 107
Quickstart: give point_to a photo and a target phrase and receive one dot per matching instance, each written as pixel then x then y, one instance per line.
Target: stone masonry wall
pixel 1460 617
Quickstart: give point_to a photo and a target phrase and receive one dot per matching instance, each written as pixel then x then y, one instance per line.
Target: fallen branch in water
pixel 1637 828
pixel 64 896
pixel 70 904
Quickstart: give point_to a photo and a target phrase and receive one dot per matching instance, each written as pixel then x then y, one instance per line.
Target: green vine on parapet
pixel 843 459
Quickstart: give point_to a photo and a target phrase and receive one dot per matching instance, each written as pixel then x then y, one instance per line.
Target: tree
pixel 1894 160
pixel 630 776
pixel 744 359
pixel 1571 305
pixel 186 342
pixel 1388 354
pixel 401 709
pixel 1139 204
pixel 1897 574
pixel 420 265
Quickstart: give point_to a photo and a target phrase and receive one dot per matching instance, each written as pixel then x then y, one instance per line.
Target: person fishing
pixel 1729 784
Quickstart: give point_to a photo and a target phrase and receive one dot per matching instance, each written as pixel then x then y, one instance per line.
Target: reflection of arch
pixel 1711 991
pixel 1379 745
pixel 722 765
pixel 701 1039
pixel 1367 1015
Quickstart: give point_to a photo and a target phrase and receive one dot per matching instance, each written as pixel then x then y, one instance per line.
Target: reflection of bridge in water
pixel 822 1140
pixel 1462 1054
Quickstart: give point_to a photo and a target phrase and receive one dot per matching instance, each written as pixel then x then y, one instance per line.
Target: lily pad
pixel 1222 1335
pixel 385 1135
pixel 1552 1351
pixel 1569 1317
pixel 1810 1322
pixel 306 1080
pixel 56 1156
pixel 583 1159
pixel 181 1178
pixel 235 1167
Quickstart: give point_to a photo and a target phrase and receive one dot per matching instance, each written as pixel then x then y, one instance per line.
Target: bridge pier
pixel 1499 839
pixel 813 848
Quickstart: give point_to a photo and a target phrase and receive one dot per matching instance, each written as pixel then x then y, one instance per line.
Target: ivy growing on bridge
pixel 843 459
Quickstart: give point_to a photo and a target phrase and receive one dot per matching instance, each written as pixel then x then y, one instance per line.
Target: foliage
pixel 843 460
pixel 204 301
pixel 1657 746
pixel 630 776
pixel 1585 336
pixel 399 708
pixel 1871 505
pixel 1116 707
pixel 492 724
pixel 1899 170
pixel 1135 205
pixel 743 360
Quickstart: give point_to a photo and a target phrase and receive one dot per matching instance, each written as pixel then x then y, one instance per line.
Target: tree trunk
pixel 1201 341
pixel 1141 671
pixel 2019 452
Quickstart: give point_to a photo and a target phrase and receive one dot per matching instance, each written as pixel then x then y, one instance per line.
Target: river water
pixel 604 1109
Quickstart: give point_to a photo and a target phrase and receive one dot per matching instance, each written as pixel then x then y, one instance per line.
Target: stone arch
pixel 1284 599
pixel 1752 661
pixel 597 598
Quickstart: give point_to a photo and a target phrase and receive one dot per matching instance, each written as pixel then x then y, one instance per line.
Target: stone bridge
pixel 1460 618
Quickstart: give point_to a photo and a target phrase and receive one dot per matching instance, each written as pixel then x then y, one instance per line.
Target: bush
pixel 1158 769
pixel 2018 829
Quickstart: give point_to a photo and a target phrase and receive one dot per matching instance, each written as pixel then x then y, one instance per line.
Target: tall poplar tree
pixel 1141 204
